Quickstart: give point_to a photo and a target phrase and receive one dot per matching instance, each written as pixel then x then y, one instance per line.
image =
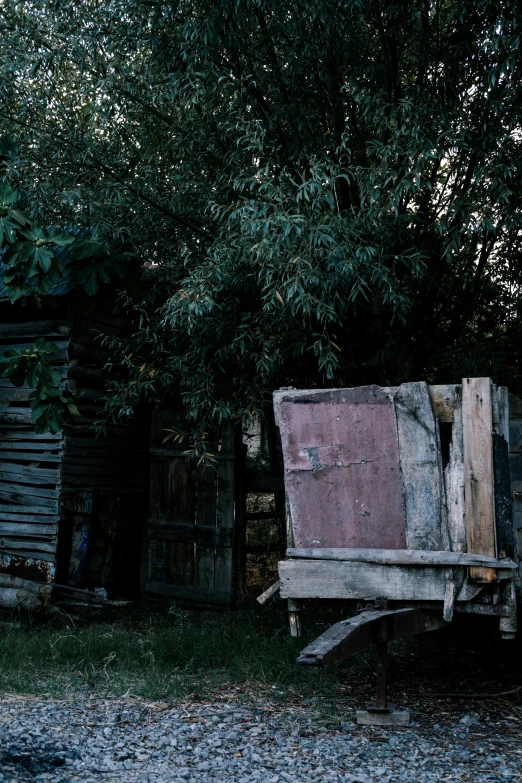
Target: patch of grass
pixel 157 653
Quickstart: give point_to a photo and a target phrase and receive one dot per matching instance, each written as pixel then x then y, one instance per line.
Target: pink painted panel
pixel 342 473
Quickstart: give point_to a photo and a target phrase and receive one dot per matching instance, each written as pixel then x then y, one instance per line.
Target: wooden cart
pixel 399 498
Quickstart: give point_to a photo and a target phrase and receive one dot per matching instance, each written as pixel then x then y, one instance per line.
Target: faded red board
pixel 342 473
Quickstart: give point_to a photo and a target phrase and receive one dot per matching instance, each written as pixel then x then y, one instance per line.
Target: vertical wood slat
pixel 454 482
pixel 420 467
pixel 225 510
pixel 206 514
pixel 504 521
pixel 180 507
pixel 477 423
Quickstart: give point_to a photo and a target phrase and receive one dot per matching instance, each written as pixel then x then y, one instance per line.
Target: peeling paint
pixel 27 567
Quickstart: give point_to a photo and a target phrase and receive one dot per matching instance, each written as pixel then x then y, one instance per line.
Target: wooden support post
pixel 508 625
pixel 381 693
pixel 477 422
pixel 240 517
pixel 294 617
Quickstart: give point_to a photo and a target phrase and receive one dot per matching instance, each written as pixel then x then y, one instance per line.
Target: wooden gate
pixel 193 531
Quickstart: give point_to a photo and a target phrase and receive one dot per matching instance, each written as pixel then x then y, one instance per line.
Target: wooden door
pixel 191 523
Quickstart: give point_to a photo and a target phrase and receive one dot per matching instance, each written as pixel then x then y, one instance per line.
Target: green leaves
pixel 50 404
pixel 321 193
pixel 36 259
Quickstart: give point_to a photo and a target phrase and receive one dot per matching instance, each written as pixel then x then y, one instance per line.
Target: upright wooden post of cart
pixel 400 497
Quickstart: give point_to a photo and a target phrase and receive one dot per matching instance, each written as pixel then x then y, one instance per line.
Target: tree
pixel 328 191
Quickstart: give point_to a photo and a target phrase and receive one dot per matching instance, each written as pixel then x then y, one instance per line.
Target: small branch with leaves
pixel 51 405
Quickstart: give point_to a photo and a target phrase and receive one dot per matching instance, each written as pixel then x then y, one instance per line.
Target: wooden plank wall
pixel 103 476
pixel 191 519
pixel 30 464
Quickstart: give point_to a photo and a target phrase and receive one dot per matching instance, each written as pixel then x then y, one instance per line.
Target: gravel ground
pixel 119 741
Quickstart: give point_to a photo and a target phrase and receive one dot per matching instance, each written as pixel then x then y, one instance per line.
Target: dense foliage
pixel 326 191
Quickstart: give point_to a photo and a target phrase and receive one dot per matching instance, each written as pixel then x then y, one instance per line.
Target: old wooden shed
pixel 71 504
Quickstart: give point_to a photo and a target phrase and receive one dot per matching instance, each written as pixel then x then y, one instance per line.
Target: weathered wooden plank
pixel 183 532
pixel 477 422
pixel 189 593
pixel 157 560
pixel 410 557
pixel 30 456
pixel 28 546
pixel 341 456
pixel 225 510
pixel 515 407
pixel 31 557
pixel 443 400
pixel 22 445
pixel 268 593
pixel 15 415
pixel 363 581
pixel 420 469
pixel 515 434
pixel 36 329
pixel 454 481
pixel 32 531
pixel 20 493
pixel 358 633
pixel 12 508
pixel 25 470
pixel 28 435
pixel 504 522
pixel 37 518
pixel 206 514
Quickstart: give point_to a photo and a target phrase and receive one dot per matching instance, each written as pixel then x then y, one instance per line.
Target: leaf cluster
pixel 50 404
pixel 322 192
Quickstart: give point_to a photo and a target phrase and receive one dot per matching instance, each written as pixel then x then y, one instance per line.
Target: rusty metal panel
pixel 27 567
pixel 342 472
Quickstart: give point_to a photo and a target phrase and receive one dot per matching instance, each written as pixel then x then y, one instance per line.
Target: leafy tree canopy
pixel 326 191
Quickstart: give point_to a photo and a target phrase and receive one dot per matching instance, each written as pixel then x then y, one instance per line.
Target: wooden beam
pixel 477 423
pixel 365 581
pixel 359 633
pixel 408 557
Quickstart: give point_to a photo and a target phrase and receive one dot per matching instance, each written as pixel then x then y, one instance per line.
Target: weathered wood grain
pixel 17 508
pixel 225 509
pixel 365 581
pixel 29 445
pixel 342 473
pixel 28 547
pixel 21 528
pixel 206 514
pixel 410 557
pixel 30 456
pixel 420 467
pixel 30 495
pixel 454 481
pixel 477 421
pixel 24 434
